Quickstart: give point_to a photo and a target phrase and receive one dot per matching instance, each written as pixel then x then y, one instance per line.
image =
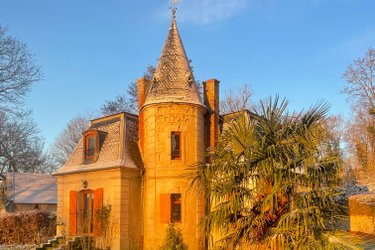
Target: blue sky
pixel 89 50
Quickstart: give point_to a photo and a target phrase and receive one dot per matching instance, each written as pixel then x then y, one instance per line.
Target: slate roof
pixel 119 146
pixel 236 115
pixel 33 188
pixel 173 79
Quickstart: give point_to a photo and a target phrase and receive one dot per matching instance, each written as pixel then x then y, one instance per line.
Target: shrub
pixel 107 230
pixel 31 227
pixel 173 239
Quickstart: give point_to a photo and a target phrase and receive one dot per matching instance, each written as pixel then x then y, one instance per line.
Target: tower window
pixel 175 208
pixel 170 208
pixel 175 145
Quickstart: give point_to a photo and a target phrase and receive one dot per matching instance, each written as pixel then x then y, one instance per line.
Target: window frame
pixel 82 223
pixel 169 206
pixel 175 156
pixel 176 205
pixel 86 143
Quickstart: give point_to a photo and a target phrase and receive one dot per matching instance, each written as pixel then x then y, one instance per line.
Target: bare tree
pixel 120 103
pixel 360 80
pixel 17 71
pixel 360 132
pixel 238 100
pixel 359 137
pixel 149 74
pixel 127 102
pixel 21 147
pixel 68 139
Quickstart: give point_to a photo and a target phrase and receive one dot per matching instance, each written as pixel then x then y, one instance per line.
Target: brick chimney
pixel 211 100
pixel 143 86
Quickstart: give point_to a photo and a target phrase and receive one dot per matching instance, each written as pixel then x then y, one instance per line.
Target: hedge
pixel 31 227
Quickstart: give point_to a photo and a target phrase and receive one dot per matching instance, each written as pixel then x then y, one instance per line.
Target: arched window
pixel 91 145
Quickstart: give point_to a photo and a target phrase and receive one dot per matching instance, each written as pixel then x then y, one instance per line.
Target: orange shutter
pixel 73 213
pixel 98 205
pixel 165 208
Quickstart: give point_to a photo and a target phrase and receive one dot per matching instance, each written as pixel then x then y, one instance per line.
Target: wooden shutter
pixel 98 205
pixel 73 213
pixel 165 208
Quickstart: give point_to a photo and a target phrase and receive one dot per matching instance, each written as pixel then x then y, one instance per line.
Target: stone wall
pixel 362 213
pixel 122 190
pixel 165 175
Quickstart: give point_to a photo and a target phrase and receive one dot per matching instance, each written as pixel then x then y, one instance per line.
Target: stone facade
pixel 143 165
pixel 121 190
pixel 362 213
pixel 164 175
pixel 116 173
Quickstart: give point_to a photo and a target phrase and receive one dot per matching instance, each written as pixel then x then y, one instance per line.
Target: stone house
pixel 139 164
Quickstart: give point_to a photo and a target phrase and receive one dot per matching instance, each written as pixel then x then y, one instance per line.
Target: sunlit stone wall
pixel 362 213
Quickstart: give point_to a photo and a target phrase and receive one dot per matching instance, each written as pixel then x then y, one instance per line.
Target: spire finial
pixel 174 8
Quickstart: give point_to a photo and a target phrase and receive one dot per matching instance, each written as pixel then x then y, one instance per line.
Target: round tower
pixel 172 140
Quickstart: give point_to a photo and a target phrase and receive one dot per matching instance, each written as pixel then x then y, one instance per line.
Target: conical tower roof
pixel 173 79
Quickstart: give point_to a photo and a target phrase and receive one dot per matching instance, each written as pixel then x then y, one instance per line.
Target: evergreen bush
pixel 173 239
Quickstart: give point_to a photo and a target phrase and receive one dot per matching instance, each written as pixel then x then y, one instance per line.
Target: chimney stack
pixel 211 100
pixel 143 86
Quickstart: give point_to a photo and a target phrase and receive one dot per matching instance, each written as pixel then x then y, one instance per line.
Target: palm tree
pixel 271 181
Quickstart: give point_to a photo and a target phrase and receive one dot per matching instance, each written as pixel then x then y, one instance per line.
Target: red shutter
pixel 98 205
pixel 165 208
pixel 73 213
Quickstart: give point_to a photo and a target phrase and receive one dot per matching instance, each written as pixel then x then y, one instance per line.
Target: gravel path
pixel 16 247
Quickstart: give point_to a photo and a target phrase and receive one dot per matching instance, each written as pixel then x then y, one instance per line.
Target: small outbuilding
pixel 29 191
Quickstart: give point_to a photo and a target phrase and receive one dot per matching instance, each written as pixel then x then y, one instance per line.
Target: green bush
pixel 173 239
pixel 31 227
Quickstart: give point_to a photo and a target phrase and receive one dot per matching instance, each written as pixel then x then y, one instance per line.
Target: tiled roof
pixel 173 79
pixel 118 148
pixel 30 188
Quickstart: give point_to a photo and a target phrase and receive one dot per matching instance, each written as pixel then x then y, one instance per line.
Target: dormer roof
pixel 118 146
pixel 173 79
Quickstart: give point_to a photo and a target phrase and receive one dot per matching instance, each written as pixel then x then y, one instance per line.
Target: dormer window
pixel 91 145
pixel 176 145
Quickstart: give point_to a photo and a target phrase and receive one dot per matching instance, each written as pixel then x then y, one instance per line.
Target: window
pixel 175 208
pixel 86 212
pixel 83 210
pixel 176 145
pixel 91 145
pixel 170 208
